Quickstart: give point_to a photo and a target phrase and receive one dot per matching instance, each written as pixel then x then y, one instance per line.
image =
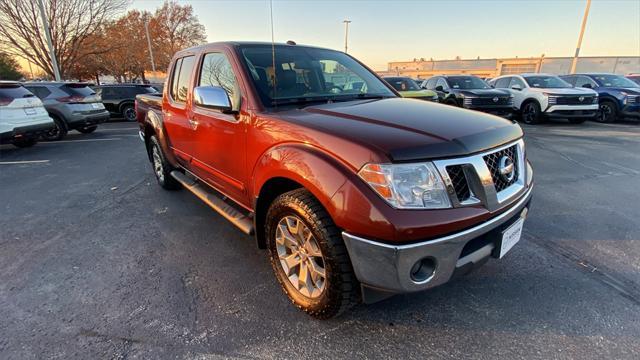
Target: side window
pixel 443 83
pixel 503 83
pixel 39 91
pixel 584 81
pixel 217 71
pixel 431 83
pixel 570 79
pixel 173 84
pixel 516 81
pixel 108 93
pixel 183 78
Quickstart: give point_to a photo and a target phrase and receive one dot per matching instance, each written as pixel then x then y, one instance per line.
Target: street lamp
pixel 584 24
pixel 346 33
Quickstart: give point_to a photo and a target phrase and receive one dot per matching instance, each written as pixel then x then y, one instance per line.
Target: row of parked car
pixel 533 97
pixel 49 110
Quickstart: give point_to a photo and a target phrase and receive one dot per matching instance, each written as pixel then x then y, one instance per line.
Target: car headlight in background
pixel 407 186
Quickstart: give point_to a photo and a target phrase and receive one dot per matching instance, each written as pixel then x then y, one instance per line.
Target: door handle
pixel 193 123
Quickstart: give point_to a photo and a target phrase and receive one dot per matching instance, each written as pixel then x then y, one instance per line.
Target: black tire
pixel 451 102
pixel 161 167
pixel 88 129
pixel 577 120
pixel 607 112
pixel 341 288
pixel 25 143
pixel 530 113
pixel 129 112
pixel 58 132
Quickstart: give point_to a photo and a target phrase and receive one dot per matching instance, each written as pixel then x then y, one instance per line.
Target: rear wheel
pixel 309 257
pixel 129 112
pixel 87 129
pixel 531 113
pixel 161 168
pixel 59 130
pixel 608 112
pixel 25 143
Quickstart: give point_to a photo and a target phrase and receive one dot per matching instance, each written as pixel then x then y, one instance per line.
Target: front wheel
pixel 607 112
pixel 531 113
pixel 309 257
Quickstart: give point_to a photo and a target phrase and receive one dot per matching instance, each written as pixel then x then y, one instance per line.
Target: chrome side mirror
pixel 212 97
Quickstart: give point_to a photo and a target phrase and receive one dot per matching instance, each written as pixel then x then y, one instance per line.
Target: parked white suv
pixel 540 96
pixel 23 118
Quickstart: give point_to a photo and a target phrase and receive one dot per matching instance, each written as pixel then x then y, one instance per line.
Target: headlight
pixel 407 186
pixel 625 98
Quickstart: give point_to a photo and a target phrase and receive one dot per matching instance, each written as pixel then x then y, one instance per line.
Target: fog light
pixel 423 270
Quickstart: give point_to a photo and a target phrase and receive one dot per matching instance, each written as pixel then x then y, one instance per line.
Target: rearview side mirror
pixel 212 97
pixel 587 85
pixel 439 88
pixel 516 87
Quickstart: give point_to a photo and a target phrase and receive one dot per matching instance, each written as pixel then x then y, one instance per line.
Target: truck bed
pixel 146 103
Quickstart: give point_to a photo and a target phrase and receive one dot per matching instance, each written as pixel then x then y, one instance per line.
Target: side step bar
pixel 242 221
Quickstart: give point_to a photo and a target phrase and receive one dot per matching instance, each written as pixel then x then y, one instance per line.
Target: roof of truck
pixel 237 43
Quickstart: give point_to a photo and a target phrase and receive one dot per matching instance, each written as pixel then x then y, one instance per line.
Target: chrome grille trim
pixel 480 180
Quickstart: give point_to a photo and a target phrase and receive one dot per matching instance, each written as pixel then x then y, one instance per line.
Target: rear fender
pixel 153 125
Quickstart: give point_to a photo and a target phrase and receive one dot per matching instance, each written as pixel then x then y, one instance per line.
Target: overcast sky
pixel 383 31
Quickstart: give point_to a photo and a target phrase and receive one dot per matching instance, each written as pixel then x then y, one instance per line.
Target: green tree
pixel 9 69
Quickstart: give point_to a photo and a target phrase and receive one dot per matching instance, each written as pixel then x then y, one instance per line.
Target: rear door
pixel 219 150
pixel 175 111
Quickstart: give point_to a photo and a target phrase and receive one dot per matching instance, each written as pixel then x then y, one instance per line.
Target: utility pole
pixel 346 33
pixel 146 29
pixel 584 24
pixel 47 33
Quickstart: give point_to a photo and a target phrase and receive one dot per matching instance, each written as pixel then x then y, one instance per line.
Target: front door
pixel 219 147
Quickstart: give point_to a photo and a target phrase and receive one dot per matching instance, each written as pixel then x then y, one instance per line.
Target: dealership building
pixel 423 68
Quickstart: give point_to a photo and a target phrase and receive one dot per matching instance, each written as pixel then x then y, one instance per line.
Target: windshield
pixel 614 81
pixel 466 82
pixel 402 84
pixel 546 82
pixel 308 74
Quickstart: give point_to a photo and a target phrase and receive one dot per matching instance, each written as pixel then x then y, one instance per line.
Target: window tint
pixel 402 84
pixel 14 92
pixel 503 83
pixel 217 71
pixel 40 91
pixel 516 81
pixel 443 83
pixel 581 81
pixel 183 78
pixel 570 79
pixel 173 84
pixel 77 90
pixel 431 83
pixel 109 93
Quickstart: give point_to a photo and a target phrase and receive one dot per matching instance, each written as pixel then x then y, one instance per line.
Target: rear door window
pixel 180 78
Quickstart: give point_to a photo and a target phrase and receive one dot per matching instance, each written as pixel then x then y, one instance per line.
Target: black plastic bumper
pixel 25 132
pixel 89 120
pixel 569 114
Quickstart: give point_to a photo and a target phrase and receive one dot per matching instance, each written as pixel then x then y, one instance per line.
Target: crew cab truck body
pixel 618 96
pixel 357 194
pixel 472 93
pixel 541 96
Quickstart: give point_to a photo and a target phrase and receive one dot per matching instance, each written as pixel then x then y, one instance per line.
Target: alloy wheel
pixel 606 112
pixel 529 113
pixel 130 114
pixel 300 256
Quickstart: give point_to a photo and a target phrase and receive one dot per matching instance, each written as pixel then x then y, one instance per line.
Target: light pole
pixel 146 30
pixel 584 24
pixel 346 33
pixel 47 33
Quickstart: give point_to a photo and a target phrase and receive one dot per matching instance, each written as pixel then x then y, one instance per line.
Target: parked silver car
pixel 72 106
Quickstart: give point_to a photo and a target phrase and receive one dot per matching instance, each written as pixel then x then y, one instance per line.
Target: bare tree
pixel 72 22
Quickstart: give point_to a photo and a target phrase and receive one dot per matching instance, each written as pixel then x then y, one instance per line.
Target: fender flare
pixel 153 125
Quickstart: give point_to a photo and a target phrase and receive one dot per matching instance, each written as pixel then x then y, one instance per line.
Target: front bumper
pixel 388 267
pixel 571 111
pixel 631 111
pixel 502 111
pixel 26 132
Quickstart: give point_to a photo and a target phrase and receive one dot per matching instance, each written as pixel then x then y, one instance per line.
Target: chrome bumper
pixel 388 267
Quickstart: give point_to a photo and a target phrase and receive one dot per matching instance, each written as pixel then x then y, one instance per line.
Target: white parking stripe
pixel 23 162
pixel 83 140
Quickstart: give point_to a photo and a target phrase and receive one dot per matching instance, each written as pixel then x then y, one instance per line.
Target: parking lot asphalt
pixel 97 261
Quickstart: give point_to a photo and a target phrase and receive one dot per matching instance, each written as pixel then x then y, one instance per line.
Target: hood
pixel 484 92
pixel 407 130
pixel 417 93
pixel 565 91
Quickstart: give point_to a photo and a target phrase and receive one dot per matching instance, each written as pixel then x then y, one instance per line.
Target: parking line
pixel 82 140
pixel 23 162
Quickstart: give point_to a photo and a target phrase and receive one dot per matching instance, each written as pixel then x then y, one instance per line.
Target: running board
pixel 208 195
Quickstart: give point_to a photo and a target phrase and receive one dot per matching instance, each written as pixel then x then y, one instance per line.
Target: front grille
pixel 459 181
pixel 502 100
pixel 493 163
pixel 574 100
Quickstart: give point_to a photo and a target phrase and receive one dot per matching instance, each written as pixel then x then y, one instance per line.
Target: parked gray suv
pixel 72 106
